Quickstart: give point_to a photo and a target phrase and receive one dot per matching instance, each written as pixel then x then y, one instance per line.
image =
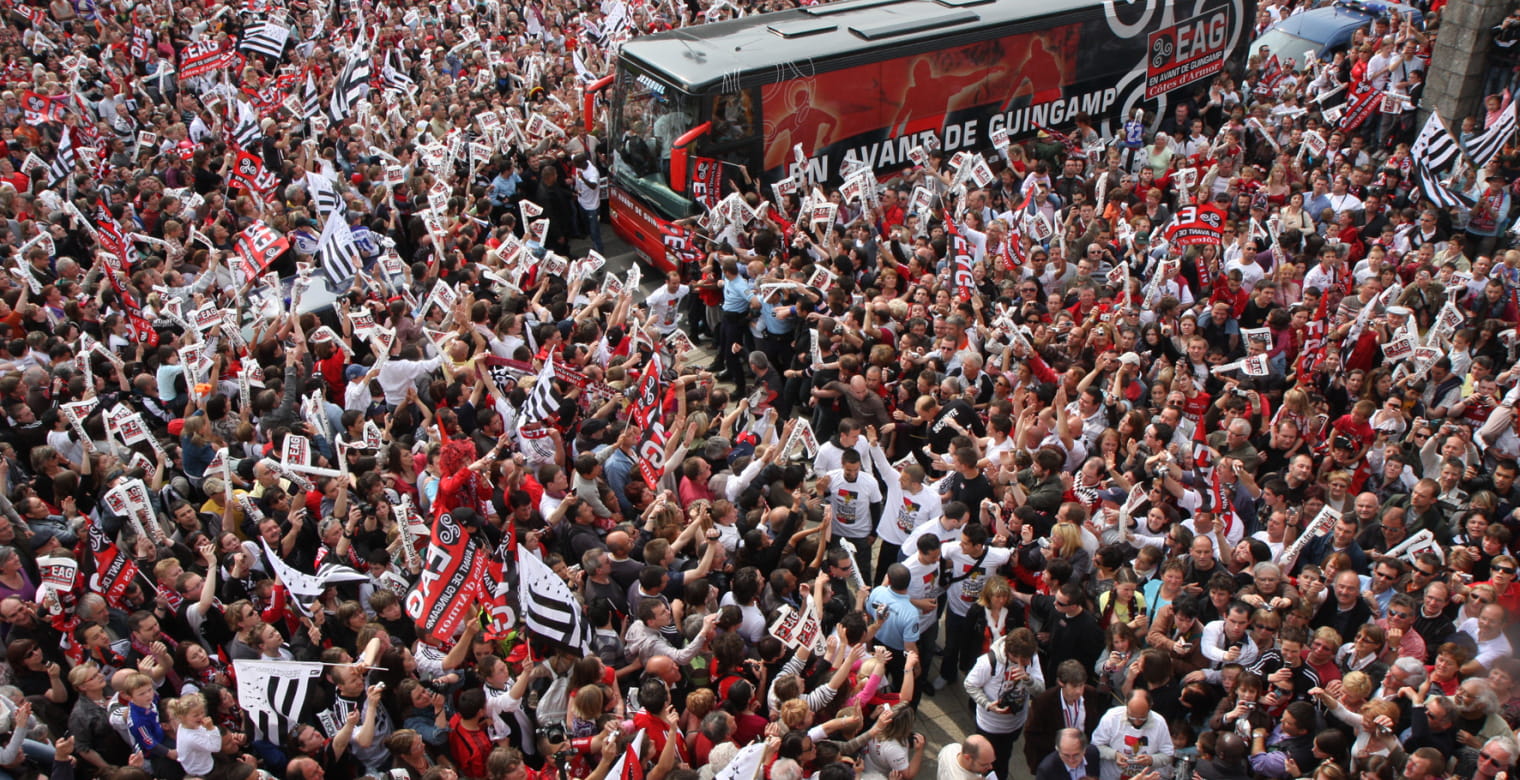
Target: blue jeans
pixel 592 223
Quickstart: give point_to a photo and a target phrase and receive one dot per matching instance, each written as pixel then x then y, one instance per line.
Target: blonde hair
pixel 700 702
pixel 1357 684
pixel 996 586
pixel 590 701
pixel 794 713
pixel 1065 539
pixel 185 706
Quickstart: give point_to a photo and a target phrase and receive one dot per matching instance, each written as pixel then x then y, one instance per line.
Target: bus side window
pixel 733 116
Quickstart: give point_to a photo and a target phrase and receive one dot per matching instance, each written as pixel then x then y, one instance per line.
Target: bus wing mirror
pixel 588 101
pixel 678 154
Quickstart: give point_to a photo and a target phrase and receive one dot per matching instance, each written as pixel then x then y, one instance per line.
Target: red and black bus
pixel 869 80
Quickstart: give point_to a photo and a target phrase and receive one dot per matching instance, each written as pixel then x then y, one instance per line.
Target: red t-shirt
pixel 468 749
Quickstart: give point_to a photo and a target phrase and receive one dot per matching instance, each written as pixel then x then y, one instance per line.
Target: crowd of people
pixel 1236 509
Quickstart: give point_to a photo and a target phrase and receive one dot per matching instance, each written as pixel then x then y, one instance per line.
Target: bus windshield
pixel 651 115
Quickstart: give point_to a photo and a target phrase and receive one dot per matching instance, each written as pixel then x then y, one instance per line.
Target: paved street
pixel 942 718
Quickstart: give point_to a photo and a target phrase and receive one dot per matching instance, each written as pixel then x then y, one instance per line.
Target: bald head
pixel 119 679
pixel 619 543
pixel 1139 705
pixel 663 667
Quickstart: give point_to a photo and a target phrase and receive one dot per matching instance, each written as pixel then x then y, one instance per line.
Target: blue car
pixel 1325 31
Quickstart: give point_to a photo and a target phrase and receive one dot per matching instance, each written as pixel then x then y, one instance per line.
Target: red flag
pixel 1196 225
pixel 202 57
pixel 114 571
pixel 1360 107
pixel 258 246
pixel 965 282
pixel 249 173
pixel 452 575
pixel 707 181
pixel 39 109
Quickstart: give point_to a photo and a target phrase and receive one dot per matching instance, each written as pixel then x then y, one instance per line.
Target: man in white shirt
pixel 665 303
pixel 851 494
pixel 909 504
pixel 969 562
pixel 1132 739
pixel 1487 632
pixel 1229 640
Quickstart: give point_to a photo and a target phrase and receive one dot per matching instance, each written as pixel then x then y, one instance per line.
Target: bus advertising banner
pixel 1188 52
pixel 963 96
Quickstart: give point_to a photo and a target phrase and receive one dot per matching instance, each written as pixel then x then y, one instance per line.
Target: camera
pixel 1013 698
pixel 552 733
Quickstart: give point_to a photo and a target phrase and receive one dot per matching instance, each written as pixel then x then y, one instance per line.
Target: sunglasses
pixel 1264 627
pixel 1400 615
pixel 1503 569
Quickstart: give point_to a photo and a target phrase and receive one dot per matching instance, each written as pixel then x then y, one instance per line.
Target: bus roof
pixel 838 34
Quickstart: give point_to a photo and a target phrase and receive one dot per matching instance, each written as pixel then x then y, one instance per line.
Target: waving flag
pixel 453 572
pixel 352 86
pixel 309 586
pixel 1485 145
pixel 266 38
pixel 114 569
pixel 336 252
pixel 549 608
pixel 248 172
pixel 256 247
pixel 273 693
pixel 202 57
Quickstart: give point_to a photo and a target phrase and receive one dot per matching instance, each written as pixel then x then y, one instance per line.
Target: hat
pixel 519 653
pixel 176 426
pixel 214 486
pixel 1499 177
pixel 593 426
pixel 41 537
pixel 353 372
pixel 1116 495
pixel 1399 311
pixel 1130 358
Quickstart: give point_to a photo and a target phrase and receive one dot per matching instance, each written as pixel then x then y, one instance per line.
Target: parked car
pixel 1325 31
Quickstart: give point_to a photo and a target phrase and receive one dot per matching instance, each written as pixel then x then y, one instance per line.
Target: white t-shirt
pixel 664 307
pixel 1488 651
pixel 852 503
pixel 969 576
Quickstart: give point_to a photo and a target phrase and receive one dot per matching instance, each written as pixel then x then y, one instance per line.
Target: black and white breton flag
pixel 548 607
pixel 306 587
pixel 352 86
pixel 394 73
pixel 1434 150
pixel 336 253
pixel 324 195
pixel 1483 146
pixel 311 100
pixel 265 38
pixel 65 160
pixel 1431 186
pixel 1435 144
pixel 542 402
pixel 273 693
pixel 245 129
